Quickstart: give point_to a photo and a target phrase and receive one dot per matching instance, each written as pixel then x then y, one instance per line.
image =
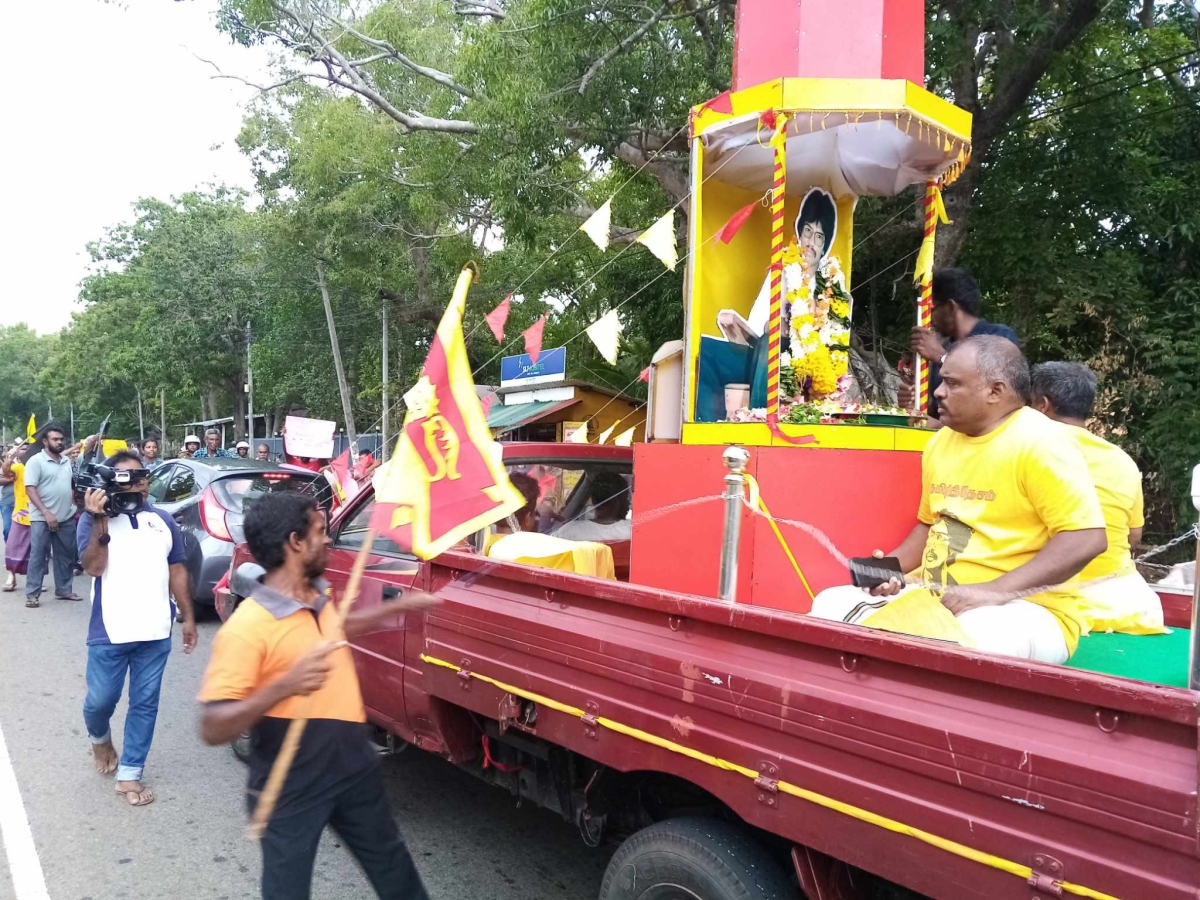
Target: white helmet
pixel 191 439
pixel 241 444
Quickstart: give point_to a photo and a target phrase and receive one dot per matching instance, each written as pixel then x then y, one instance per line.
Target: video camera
pixel 115 483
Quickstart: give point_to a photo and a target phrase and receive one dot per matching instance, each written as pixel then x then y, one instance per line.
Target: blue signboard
pixel 550 366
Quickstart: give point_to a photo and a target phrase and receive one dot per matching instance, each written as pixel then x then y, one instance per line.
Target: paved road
pixel 470 841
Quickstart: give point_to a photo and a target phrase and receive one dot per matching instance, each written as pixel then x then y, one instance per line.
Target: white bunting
pixel 579 435
pixel 625 438
pixel 598 225
pixel 659 239
pixel 605 333
pixel 607 432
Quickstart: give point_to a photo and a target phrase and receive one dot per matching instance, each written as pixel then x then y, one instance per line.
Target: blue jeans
pixel 41 541
pixel 107 664
pixel 6 513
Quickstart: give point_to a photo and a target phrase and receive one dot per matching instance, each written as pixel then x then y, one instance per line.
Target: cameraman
pixel 136 558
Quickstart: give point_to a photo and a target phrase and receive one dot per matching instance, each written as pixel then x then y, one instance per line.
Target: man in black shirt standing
pixel 957 315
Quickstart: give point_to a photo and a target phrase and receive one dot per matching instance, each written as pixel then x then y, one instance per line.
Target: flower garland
pixel 820 309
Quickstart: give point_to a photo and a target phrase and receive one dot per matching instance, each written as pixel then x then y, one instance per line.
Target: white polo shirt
pixel 131 601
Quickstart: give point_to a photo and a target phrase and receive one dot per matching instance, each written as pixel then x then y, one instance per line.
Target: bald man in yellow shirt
pixel 1115 596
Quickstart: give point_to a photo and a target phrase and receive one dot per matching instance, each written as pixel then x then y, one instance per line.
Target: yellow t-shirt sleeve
pixel 1137 515
pixel 234 671
pixel 1054 476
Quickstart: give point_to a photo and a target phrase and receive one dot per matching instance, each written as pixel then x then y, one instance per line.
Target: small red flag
pixel 735 223
pixel 769 119
pixel 722 103
pixel 497 317
pixel 362 468
pixel 645 376
pixel 533 338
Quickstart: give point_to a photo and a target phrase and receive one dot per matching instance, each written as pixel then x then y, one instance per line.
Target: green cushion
pixel 1157 658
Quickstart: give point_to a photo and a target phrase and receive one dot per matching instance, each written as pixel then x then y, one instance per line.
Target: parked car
pixel 210 497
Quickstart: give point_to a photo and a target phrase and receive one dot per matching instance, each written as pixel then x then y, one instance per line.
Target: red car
pixel 564 472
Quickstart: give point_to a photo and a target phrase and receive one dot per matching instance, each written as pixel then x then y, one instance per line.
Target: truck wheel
pixel 240 746
pixel 694 859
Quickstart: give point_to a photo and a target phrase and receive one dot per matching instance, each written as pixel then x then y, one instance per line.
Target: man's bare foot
pixel 105 756
pixel 134 793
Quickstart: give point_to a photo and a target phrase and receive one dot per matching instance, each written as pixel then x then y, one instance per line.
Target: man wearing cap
pixel 243 450
pixel 191 444
pixel 212 448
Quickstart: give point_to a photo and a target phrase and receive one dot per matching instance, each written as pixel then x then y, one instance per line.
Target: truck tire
pixel 694 859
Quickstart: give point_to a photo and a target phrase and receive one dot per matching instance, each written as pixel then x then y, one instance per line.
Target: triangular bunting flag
pixel 605 333
pixel 659 239
pixel 486 403
pixel 645 376
pixel 607 432
pixel 722 103
pixel 533 338
pixel 579 435
pixel 735 223
pixel 497 317
pixel 31 428
pixel 598 225
pixel 625 438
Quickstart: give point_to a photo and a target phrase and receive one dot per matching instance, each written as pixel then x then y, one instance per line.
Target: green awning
pixel 506 418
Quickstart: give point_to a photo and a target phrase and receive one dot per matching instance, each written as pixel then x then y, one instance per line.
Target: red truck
pixel 747 752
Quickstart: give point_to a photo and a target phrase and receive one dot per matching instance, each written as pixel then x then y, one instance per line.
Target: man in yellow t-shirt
pixel 1115 596
pixel 1006 507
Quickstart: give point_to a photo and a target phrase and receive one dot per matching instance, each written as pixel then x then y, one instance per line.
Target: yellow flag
pixel 605 333
pixel 607 432
pixel 579 435
pixel 598 225
pixel 446 479
pixel 31 428
pixel 659 239
pixel 625 438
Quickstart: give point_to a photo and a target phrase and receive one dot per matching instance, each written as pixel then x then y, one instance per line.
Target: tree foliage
pixel 401 139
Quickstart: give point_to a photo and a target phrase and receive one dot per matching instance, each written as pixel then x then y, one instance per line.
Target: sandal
pixel 9 588
pixel 144 797
pixel 32 603
pixel 71 596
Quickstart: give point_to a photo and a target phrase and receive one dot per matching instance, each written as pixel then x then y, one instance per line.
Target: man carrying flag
pixel 280 665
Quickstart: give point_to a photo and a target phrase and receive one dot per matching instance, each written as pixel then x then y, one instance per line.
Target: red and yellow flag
pixel 446 479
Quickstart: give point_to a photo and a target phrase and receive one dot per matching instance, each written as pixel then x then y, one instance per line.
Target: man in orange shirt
pixel 281 656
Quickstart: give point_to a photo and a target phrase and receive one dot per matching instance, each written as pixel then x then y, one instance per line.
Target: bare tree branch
pixel 671 173
pixel 482 8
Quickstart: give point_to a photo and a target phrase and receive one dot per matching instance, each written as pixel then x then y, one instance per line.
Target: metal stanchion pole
pixel 1194 656
pixel 735 485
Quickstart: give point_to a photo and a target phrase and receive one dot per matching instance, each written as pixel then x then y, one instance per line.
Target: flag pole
pixel 291 741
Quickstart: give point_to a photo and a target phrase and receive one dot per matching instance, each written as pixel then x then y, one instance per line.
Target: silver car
pixel 209 499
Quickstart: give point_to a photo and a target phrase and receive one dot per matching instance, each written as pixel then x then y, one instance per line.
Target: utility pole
pixel 249 391
pixel 383 436
pixel 141 424
pixel 72 423
pixel 162 426
pixel 343 387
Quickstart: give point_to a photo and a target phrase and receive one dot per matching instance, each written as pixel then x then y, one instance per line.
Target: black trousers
pixel 362 817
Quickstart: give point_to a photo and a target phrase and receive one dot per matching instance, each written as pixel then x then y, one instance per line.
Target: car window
pixel 159 481
pixel 564 489
pixel 181 485
pixel 350 534
pixel 239 493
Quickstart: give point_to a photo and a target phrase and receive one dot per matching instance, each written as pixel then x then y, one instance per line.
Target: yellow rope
pixel 987 859
pixel 756 497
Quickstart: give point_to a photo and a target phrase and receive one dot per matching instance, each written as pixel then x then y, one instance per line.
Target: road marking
pixel 23 863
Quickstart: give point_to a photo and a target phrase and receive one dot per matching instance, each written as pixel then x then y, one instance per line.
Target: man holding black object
pixel 1008 516
pixel 279 657
pixel 135 554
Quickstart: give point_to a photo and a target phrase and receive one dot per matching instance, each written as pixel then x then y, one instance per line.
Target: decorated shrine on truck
pixel 778 164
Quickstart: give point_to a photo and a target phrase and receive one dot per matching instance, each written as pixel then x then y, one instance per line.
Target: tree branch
pixel 1014 86
pixel 671 173
pixel 482 8
pixel 631 39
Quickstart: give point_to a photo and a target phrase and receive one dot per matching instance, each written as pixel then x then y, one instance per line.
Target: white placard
pixel 308 437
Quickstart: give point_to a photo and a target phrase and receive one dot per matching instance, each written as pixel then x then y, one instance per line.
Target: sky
pixel 105 103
